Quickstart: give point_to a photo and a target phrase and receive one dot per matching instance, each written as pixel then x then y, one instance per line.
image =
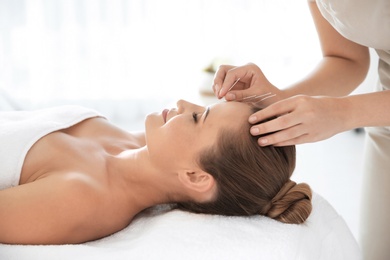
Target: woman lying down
pixel 70 176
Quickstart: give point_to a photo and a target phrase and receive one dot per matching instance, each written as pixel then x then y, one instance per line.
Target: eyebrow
pixel 207 113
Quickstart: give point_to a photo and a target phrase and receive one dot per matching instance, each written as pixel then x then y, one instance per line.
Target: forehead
pixel 228 115
pixel 233 109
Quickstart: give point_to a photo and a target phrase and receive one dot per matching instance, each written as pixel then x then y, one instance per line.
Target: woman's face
pixel 175 137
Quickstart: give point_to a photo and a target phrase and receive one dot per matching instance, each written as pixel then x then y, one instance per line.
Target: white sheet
pixel 175 234
pixel 19 130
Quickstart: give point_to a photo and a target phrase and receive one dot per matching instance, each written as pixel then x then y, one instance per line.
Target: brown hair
pixel 252 180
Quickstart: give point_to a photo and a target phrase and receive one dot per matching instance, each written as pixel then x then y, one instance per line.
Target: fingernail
pixel 252 119
pixel 230 96
pixel 254 130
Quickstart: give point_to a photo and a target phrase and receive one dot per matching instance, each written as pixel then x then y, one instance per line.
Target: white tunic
pixel 367 22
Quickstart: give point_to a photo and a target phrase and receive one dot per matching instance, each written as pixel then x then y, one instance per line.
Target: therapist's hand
pixel 299 119
pixel 252 82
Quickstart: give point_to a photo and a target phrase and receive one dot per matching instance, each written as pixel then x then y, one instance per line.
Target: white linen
pixel 163 234
pixel 19 130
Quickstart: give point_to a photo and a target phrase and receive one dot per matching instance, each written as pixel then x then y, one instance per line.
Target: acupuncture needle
pixel 267 97
pixel 235 82
pixel 253 97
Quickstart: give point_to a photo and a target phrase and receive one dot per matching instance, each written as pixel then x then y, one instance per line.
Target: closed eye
pixel 195 117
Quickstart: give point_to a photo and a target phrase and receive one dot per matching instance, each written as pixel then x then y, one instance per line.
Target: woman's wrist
pixel 347 113
pixel 362 110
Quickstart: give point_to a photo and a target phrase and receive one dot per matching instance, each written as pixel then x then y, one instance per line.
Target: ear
pixel 197 181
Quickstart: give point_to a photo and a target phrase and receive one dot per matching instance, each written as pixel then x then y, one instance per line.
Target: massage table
pixel 161 233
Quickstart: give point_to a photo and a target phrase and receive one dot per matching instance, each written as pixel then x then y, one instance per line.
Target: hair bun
pixel 292 204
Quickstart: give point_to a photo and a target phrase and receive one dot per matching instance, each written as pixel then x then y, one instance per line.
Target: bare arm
pixel 368 109
pixel 45 212
pixel 305 119
pixel 316 107
pixel 343 67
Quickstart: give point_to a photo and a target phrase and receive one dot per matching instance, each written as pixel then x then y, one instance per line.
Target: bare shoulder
pixel 104 130
pixel 53 210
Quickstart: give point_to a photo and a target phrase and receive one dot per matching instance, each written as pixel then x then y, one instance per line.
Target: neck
pixel 143 184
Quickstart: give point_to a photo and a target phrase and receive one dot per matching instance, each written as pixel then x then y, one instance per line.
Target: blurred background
pixel 127 58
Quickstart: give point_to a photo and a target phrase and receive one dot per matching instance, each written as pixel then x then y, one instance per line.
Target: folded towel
pixel 19 130
pixel 174 234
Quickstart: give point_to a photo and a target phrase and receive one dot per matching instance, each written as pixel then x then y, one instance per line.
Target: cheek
pixel 178 136
pixel 171 144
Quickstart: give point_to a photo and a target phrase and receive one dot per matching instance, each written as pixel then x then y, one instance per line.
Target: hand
pixel 251 82
pixel 300 119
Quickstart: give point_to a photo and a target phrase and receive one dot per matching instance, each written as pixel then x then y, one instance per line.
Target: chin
pixel 153 120
pixel 148 120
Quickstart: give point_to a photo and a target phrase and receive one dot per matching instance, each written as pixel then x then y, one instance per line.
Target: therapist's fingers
pixel 299 119
pixel 277 124
pixel 219 78
pixel 276 109
pixel 298 140
pixel 241 77
pixel 282 124
pixel 234 80
pixel 289 136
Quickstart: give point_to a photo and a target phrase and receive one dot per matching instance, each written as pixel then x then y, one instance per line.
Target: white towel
pixel 181 235
pixel 19 130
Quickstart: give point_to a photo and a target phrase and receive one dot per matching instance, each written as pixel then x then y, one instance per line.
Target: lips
pixel 164 114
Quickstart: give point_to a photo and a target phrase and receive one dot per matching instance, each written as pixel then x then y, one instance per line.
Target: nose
pixel 183 106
